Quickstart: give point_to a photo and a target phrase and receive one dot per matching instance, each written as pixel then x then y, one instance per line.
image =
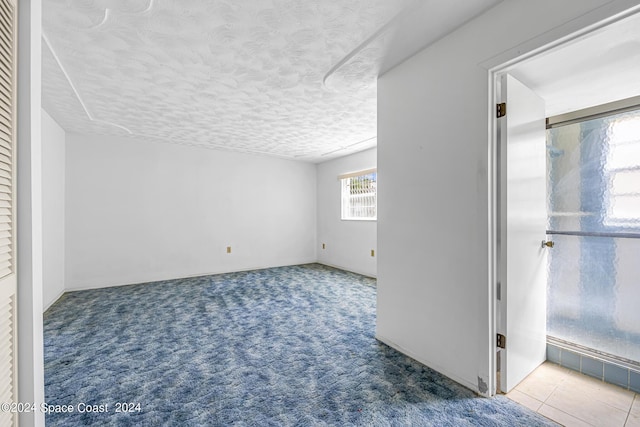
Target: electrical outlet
pixel 373 253
pixel 228 249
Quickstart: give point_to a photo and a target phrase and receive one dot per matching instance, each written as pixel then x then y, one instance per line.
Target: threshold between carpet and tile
pixel 290 346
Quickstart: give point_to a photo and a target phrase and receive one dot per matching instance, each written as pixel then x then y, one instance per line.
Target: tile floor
pixel 573 399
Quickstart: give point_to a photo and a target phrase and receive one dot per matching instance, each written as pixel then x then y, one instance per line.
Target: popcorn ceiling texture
pixel 244 75
pixel 249 75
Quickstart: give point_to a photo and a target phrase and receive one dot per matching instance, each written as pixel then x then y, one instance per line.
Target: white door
pixel 8 303
pixel 522 221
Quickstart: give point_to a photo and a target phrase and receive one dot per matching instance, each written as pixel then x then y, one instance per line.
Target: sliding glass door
pixel 594 217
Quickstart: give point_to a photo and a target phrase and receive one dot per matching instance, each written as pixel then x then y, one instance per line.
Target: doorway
pixel 596 68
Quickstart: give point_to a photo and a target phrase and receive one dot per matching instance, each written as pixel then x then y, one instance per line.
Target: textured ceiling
pixel 289 78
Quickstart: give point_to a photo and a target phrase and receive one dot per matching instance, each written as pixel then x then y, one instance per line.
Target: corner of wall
pixel 53 209
pixel 347 244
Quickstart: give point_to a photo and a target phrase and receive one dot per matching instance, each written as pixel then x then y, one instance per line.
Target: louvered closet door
pixel 8 304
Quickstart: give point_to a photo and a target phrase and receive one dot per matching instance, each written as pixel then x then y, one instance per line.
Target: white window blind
pixel 359 195
pixel 8 318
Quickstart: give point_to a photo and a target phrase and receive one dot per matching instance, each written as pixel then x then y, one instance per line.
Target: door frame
pixel 558 38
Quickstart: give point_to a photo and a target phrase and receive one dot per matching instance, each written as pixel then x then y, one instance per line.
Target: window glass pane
pixel 359 197
pixel 622 155
pixel 626 127
pixel 626 182
pixel 624 209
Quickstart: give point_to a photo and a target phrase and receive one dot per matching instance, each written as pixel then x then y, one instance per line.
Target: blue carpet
pixel 289 346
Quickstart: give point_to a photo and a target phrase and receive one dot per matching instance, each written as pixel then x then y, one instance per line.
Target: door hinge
pixel 501 109
pixel 501 341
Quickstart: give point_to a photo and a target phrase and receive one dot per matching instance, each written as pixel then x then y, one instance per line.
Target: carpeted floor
pixel 290 346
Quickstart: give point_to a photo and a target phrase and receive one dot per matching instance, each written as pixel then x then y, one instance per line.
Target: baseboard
pixel 185 276
pixel 435 367
pixel 610 369
pixel 45 308
pixel 351 270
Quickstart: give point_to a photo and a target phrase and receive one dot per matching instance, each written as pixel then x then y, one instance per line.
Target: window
pixel 622 168
pixel 359 198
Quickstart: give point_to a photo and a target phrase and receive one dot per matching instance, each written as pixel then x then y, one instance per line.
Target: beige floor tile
pixel 537 389
pixel 633 421
pixel 524 399
pixel 548 369
pixel 541 383
pixel 584 407
pixel 597 390
pixel 573 399
pixel 561 417
pixel 635 408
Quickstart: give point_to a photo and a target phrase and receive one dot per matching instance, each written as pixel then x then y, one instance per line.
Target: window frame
pixel 344 210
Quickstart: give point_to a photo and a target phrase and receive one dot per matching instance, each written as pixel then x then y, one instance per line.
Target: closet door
pixel 8 303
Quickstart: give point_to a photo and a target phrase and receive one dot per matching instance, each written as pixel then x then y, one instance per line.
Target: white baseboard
pixel 163 277
pixel 435 367
pixel 45 308
pixel 351 270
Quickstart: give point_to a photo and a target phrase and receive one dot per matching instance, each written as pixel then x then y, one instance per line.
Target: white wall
pixel 140 211
pixel 433 150
pixel 53 205
pixel 348 244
